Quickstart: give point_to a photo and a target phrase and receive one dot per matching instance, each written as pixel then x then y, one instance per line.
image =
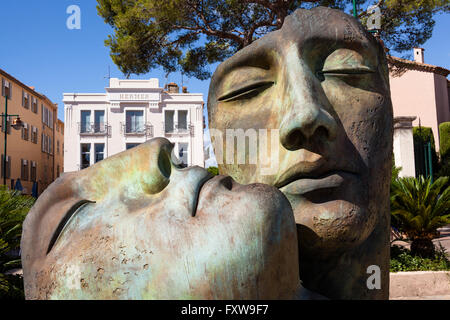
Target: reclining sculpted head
pixel 137 226
pixel 321 83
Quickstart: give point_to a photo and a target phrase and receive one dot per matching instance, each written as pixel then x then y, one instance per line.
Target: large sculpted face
pixel 136 226
pixel 323 82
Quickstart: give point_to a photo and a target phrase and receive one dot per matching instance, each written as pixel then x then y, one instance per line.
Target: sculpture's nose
pixel 306 116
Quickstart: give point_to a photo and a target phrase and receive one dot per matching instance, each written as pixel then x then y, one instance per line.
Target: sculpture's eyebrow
pixel 324 46
pixel 256 55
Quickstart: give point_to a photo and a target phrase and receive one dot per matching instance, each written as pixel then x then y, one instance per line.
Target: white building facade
pixel 130 112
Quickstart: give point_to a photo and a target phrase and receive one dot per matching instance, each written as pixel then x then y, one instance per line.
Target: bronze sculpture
pixel 135 226
pixel 139 227
pixel 322 80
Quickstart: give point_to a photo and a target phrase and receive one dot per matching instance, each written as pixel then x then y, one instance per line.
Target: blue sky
pixel 37 48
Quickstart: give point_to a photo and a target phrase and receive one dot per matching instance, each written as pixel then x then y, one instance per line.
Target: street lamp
pixel 17 124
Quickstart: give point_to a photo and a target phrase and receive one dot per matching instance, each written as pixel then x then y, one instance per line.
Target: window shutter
pixel 23 98
pixel 3 87
pixel 42 109
pixel 10 91
pixel 8 166
pixel 2 165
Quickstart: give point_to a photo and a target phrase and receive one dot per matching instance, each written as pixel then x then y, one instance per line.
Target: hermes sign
pixel 134 96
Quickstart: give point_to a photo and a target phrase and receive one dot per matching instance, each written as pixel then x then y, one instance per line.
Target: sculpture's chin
pixel 332 227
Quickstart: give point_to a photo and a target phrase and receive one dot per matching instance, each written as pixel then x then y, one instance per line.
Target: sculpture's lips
pixel 304 184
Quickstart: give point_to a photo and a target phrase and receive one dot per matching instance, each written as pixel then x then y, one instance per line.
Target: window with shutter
pixel 25 170
pixel 8 167
pixel 6 89
pixel 33 171
pixel 8 126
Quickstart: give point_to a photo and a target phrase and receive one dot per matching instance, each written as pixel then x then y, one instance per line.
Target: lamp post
pixel 17 124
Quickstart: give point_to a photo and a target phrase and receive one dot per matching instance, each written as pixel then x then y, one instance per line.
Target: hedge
pixel 444 136
pixel 422 135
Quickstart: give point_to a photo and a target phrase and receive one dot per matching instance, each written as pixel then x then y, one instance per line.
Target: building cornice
pixel 403 122
pixel 136 89
pixel 25 87
pixel 414 65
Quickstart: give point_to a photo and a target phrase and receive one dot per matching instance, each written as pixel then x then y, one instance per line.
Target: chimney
pixel 173 88
pixel 418 55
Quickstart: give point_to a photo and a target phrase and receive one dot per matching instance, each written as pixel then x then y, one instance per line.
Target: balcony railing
pixel 179 129
pixel 93 128
pixel 129 130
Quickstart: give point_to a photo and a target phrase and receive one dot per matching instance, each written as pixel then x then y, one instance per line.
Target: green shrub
pixel 418 209
pixel 213 170
pixel 444 146
pixel 403 260
pixel 422 135
pixel 13 209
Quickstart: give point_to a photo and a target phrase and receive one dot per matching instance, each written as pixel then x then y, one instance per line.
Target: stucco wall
pixel 149 98
pixel 18 148
pixel 413 94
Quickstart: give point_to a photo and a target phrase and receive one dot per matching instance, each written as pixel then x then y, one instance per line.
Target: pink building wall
pixel 424 95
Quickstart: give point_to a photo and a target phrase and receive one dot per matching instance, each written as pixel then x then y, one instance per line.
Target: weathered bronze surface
pixel 136 226
pixel 322 80
pixel 130 227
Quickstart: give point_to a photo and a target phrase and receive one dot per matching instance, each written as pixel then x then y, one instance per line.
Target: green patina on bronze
pixel 147 229
pixel 144 236
pixel 322 80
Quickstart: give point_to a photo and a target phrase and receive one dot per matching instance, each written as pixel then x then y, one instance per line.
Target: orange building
pixel 31 149
pixel 59 148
